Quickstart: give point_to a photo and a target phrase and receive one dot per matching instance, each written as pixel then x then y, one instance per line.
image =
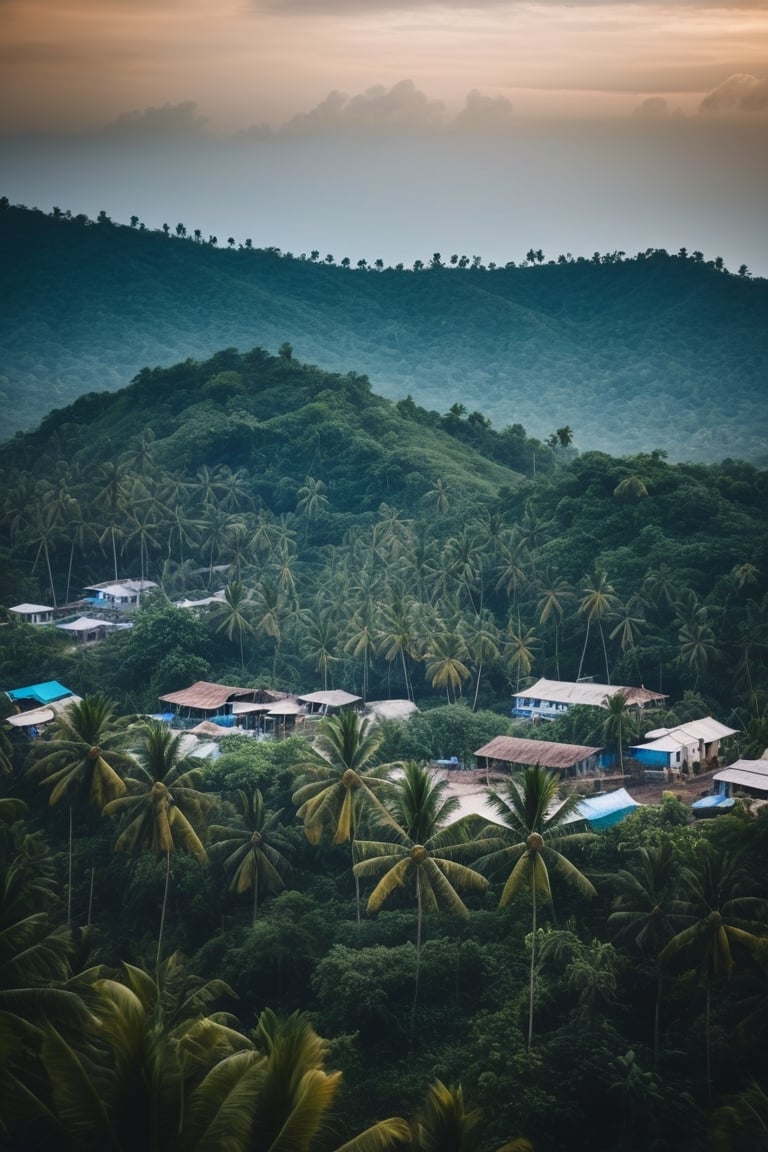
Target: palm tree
pixel 697 647
pixel 397 635
pixel 157 1070
pixel 717 915
pixel 533 831
pixel 520 651
pixel 481 637
pixel 311 501
pixel 619 725
pixel 44 529
pixel 162 811
pixel 439 496
pixel 112 497
pixel 320 641
pixel 362 638
pixel 445 667
pixel 555 594
pixel 643 911
pixel 421 849
pixel 344 772
pixel 444 1125
pixel 598 601
pixel 296 1093
pixel 233 614
pixel 83 761
pixel 252 849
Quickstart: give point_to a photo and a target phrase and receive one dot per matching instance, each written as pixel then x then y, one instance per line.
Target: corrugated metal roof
pixel 745 779
pixel 570 692
pixel 28 609
pixel 513 750
pixel 706 729
pixel 748 773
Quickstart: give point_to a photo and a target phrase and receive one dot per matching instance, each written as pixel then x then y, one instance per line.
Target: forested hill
pixel 653 352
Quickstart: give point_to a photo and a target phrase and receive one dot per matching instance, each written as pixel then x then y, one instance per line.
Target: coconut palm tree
pixel 598 601
pixel 34 969
pixel 444 1125
pixel 162 811
pixel 296 1093
pixel 555 593
pixel 311 501
pixel 156 1070
pixel 83 761
pixel 643 916
pixel 343 771
pixel 252 849
pixel 233 614
pixel 619 725
pixel 519 650
pixel 532 836
pixel 481 637
pixel 445 667
pixel 420 852
pixel 720 919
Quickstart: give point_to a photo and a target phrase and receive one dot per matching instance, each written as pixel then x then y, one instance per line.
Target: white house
pixel 33 613
pixel 696 742
pixel 119 594
pixel 548 699
pixel 747 776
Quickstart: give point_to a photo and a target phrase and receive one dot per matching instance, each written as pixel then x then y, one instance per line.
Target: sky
pixel 395 128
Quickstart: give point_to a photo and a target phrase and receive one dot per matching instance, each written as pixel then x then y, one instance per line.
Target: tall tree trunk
pixel 533 966
pixel 165 904
pixel 583 651
pixel 419 915
pixel 656 1019
pixel 69 870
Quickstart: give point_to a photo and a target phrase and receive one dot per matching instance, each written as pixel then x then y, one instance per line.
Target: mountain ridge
pixel 656 351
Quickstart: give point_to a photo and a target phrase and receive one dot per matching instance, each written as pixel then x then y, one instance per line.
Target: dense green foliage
pixel 656 351
pixel 397 552
pixel 212 1051
pixel 364 545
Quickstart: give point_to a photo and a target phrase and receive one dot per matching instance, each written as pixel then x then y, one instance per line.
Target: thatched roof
pixel 512 750
pixel 205 696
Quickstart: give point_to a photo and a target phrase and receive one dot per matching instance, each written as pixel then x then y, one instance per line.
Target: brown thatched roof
pixel 206 697
pixel 513 750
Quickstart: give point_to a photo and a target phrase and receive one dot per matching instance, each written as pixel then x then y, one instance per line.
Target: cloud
pixel 485 113
pixel 655 108
pixel 168 121
pixel 321 8
pixel 741 93
pixel 403 107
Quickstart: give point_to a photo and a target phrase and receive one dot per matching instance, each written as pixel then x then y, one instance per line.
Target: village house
pixel 680 748
pixel 118 595
pixel 33 613
pixel 568 759
pixel 548 699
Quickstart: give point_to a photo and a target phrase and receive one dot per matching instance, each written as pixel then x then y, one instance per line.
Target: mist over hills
pixel 657 351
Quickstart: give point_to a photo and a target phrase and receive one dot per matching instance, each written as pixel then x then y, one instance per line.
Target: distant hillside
pixel 654 352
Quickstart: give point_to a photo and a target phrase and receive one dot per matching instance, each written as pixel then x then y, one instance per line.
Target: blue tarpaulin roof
pixel 604 811
pixel 44 693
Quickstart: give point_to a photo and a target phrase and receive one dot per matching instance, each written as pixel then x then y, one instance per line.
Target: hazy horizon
pixel 394 128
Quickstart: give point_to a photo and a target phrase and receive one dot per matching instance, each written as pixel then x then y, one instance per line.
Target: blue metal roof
pixel 44 693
